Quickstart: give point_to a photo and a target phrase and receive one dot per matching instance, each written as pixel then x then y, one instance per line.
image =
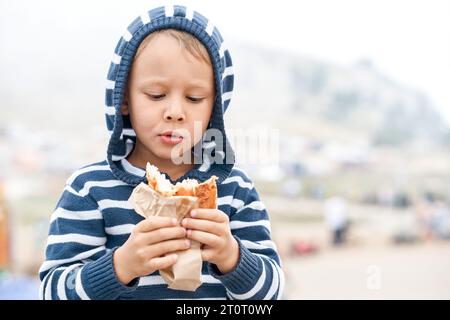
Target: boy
pixel 170 77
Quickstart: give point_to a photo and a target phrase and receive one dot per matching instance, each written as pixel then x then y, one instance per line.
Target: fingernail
pixel 189 232
pixel 193 213
pixel 174 221
pixel 184 222
pixel 175 257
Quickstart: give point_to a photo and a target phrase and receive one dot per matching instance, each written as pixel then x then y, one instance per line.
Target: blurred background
pixel 358 91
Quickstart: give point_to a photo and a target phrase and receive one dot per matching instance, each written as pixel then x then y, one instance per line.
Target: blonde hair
pixel 186 40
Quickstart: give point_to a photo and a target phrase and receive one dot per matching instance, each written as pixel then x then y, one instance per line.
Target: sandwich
pixel 206 191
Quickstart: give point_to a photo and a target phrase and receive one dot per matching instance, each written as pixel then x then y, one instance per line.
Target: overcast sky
pixel 408 40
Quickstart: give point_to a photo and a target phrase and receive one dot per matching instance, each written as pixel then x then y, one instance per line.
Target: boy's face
pixel 168 90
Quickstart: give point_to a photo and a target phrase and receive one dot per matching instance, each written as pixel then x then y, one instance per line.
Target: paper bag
pixel 185 274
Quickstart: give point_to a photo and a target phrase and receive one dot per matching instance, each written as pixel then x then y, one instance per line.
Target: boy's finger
pixel 163 247
pixel 207 254
pixel 202 225
pixel 162 234
pixel 209 214
pixel 204 237
pixel 162 262
pixel 152 223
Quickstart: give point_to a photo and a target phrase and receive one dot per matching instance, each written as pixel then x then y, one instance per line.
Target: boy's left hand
pixel 211 227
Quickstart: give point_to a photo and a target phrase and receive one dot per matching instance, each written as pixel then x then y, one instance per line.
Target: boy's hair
pixel 186 40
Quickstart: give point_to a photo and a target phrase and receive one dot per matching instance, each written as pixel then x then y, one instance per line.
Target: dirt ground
pixel 369 267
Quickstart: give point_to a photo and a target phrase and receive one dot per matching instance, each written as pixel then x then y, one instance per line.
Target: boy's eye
pixel 194 99
pixel 156 96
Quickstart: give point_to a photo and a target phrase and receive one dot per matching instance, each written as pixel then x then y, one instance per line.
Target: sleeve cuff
pixel 243 277
pixel 101 279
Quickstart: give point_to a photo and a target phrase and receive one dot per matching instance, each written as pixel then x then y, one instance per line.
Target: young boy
pixel 170 77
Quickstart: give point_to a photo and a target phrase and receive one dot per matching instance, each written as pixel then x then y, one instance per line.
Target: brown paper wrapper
pixel 186 273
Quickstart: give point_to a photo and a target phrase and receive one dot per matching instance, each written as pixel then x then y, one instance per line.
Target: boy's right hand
pixel 147 248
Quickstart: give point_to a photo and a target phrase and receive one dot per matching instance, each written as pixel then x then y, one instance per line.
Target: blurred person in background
pixel 336 219
pixel 440 221
pixel 434 218
pixel 12 285
pixel 4 234
pixel 424 212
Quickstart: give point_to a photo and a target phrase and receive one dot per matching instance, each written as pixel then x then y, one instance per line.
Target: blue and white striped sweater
pixel 93 217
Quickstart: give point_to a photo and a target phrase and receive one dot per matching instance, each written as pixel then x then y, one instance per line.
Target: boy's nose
pixel 174 110
pixel 172 116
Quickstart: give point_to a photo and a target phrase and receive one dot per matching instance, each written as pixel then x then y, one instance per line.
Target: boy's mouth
pixel 170 137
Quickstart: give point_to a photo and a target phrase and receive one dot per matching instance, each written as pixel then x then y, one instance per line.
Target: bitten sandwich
pixel 206 191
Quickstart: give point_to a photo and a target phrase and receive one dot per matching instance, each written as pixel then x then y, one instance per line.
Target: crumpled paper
pixel 185 274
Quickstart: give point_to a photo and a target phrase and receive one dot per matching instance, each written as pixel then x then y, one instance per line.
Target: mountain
pixel 358 97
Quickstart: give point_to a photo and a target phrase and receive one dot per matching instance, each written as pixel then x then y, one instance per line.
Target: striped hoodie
pixel 93 217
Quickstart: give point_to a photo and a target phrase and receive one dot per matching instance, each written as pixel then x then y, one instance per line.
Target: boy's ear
pixel 125 108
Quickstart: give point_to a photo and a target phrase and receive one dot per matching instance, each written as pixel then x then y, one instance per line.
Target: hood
pixel 217 156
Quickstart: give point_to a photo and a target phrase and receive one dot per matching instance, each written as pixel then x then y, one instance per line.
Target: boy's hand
pixel 211 227
pixel 143 252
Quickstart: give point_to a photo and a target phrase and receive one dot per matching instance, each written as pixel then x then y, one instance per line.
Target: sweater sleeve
pixel 77 264
pixel 258 274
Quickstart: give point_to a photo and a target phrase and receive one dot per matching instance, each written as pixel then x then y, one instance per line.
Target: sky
pixel 408 40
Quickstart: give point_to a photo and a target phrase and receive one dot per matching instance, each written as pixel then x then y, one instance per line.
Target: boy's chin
pixel 176 158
